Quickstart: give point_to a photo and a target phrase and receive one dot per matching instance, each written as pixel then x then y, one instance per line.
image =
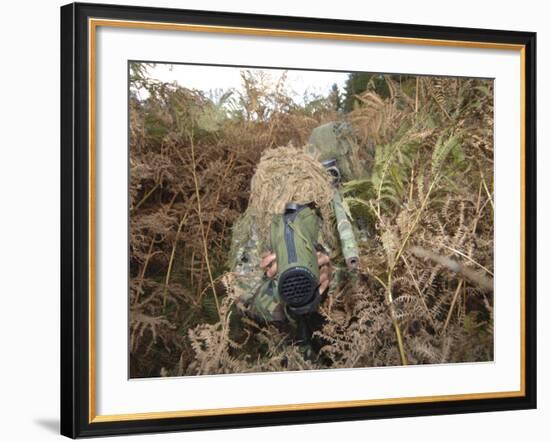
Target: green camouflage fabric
pixel 350 250
pixel 256 294
pixel 336 140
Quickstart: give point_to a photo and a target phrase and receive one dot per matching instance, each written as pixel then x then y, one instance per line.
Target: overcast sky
pixel 206 78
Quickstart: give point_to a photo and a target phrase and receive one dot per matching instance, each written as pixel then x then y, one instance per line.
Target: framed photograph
pixel 275 220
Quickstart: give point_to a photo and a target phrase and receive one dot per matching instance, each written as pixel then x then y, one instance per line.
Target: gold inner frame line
pixel 93 24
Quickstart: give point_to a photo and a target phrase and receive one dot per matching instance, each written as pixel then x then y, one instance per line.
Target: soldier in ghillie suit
pixel 305 179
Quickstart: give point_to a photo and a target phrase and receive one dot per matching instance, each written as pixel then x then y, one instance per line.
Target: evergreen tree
pixel 335 97
pixel 359 82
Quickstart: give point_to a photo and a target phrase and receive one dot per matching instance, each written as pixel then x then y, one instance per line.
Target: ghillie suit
pixel 289 174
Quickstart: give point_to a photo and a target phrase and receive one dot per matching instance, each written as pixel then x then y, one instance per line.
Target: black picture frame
pixel 75 220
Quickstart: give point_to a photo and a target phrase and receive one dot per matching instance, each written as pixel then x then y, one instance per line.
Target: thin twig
pixel 453 302
pixel 416 220
pixel 486 189
pixel 221 186
pixel 172 255
pixel 205 246
pixel 458 252
pixel 415 283
pixel 143 269
pixel 145 197
pixel 389 296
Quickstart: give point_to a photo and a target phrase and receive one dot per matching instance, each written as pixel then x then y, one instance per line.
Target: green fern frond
pixel 446 148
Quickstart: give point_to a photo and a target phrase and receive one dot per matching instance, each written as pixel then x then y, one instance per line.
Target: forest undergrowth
pixel 424 291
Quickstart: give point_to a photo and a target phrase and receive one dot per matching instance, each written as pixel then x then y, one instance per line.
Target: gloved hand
pixel 269 265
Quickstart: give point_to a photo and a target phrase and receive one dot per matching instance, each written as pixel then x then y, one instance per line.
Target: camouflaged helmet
pixel 337 141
